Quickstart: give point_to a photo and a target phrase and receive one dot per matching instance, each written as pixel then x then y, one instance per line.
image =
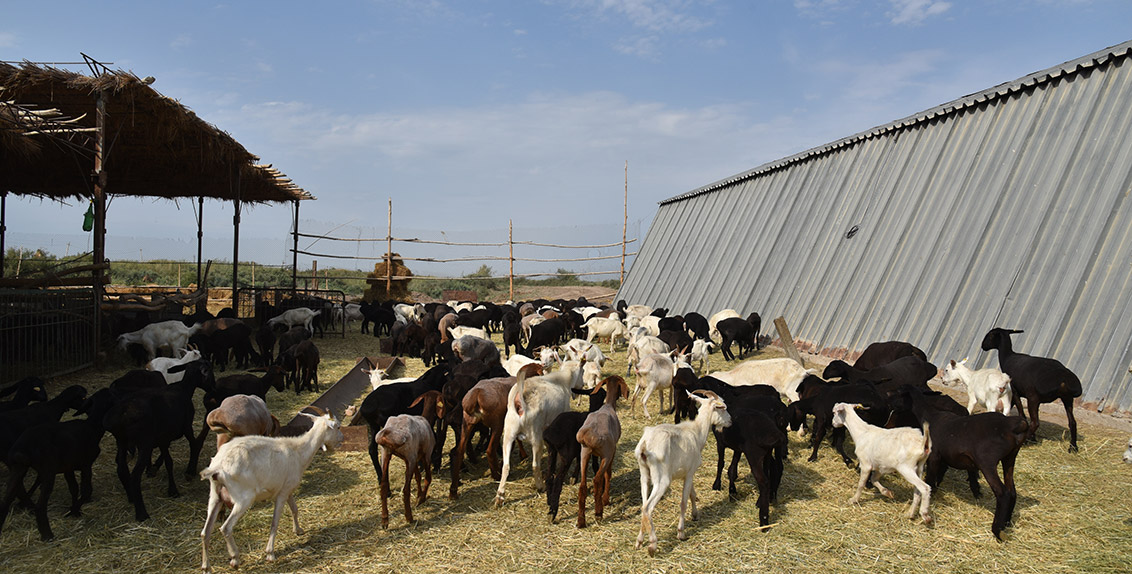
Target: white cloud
pixel 654 15
pixel 642 46
pixel 879 81
pixel 8 40
pixel 181 42
pixel 915 12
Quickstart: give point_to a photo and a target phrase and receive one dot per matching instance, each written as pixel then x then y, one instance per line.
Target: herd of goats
pixel 897 422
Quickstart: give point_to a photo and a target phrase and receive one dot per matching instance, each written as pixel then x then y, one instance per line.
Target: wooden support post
pixel 236 253
pixel 200 235
pixel 625 223
pixel 511 260
pixel 295 250
pixel 99 210
pixel 787 340
pixel 313 283
pixel 389 252
pixel 3 227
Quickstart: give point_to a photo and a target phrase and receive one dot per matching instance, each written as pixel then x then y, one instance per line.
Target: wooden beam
pixel 787 340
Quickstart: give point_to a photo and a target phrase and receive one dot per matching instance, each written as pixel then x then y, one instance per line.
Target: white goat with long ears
pixel 988 387
pixel 532 405
pixel 255 468
pixel 172 335
pixel 882 451
pixel 297 316
pixel 669 451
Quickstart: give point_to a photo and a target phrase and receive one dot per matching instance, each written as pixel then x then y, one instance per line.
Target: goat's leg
pixel 279 501
pixel 16 476
pixel 864 479
pixel 214 506
pixel 456 460
pixel 685 495
pixel 374 451
pixel 134 488
pixel 406 491
pixel 757 459
pixel 661 486
pixel 922 495
pixel 601 496
pixel 1008 483
pixel 721 453
pixel 820 427
pixel 239 508
pixel 1068 402
pixel 86 490
pixel 422 493
pixel 386 454
pixel 733 474
pixel 990 472
pixel 294 513
pixel 173 492
pixel 508 442
pixel 645 399
pixel 536 465
pixel 76 499
pixel 881 489
pixel 121 457
pixel 583 463
pixel 973 482
pixel 837 439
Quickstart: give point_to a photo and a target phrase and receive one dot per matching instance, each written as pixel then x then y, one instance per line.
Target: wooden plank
pixel 787 340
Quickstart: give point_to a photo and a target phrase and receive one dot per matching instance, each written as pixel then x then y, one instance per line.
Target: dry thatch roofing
pixel 155 147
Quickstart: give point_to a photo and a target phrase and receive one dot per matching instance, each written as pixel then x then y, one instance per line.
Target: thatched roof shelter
pixel 156 147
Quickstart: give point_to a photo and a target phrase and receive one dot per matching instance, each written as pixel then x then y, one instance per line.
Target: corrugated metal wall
pixel 1005 208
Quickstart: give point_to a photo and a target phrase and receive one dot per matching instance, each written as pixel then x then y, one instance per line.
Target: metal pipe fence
pixel 45 333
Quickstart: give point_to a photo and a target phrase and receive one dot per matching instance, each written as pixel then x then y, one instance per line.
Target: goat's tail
pixel 520 403
pixel 927 440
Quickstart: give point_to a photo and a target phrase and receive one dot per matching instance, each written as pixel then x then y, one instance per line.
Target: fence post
pixel 625 224
pixel 313 283
pixel 787 340
pixel 389 252
pixel 511 260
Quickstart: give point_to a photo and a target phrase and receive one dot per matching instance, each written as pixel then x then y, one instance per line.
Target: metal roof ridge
pixel 957 105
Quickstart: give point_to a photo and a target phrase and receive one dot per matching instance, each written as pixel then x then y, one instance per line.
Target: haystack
pixel 398 287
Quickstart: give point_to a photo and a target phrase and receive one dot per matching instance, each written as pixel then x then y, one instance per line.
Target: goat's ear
pixel 952 363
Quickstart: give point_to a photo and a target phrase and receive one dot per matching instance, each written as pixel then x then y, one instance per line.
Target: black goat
pixel 698 325
pixel 58 448
pixel 754 433
pixel 877 354
pixel 545 334
pixel 1038 379
pixel 24 392
pixel 13 423
pixel 149 419
pixel 512 328
pixel 563 450
pixel 741 331
pixel 301 361
pixel 908 370
pixel 974 443
pixel 818 400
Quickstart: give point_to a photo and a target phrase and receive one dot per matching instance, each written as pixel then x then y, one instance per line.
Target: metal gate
pixel 45 333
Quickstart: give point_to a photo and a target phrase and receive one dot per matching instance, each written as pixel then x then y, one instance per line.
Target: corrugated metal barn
pixel 1008 207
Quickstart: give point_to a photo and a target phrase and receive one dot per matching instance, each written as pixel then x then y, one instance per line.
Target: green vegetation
pixel 483 281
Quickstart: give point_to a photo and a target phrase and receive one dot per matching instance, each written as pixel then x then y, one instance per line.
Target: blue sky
pixel 472 113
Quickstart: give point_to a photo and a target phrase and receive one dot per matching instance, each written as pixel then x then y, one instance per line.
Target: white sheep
pixel 988 387
pixel 531 406
pixel 163 364
pixel 882 451
pixel 783 374
pixel 255 468
pixel 172 335
pixel 716 318
pixel 672 451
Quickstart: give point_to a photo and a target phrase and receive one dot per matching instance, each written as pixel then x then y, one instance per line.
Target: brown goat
pixel 485 404
pixel 599 435
pixel 409 438
pixel 241 415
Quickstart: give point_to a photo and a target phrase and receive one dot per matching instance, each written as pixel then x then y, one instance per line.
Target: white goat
pixel 882 451
pixel 605 327
pixel 652 324
pixel 163 364
pixel 352 312
pixel 531 406
pixel 377 378
pixel 700 351
pixel 297 316
pixel 716 318
pixel 516 362
pixel 641 347
pixel 1128 452
pixel 783 374
pixel 988 387
pixel 638 311
pixel 172 335
pixel 654 373
pixel 255 468
pixel 575 349
pixel 671 451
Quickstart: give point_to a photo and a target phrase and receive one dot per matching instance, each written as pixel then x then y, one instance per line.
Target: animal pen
pixel 64 136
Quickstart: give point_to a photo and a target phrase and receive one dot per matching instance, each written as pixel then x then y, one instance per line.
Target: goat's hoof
pixel 234 563
pixel 581 524
pixel 498 501
pixel 652 550
pixel 716 486
pixel 681 535
pixel 47 538
pixel 270 557
pixel 928 520
pixel 551 519
pixel 1073 448
pixel 74 512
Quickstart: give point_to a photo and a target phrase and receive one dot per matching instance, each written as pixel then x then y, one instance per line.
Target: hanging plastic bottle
pixel 88 217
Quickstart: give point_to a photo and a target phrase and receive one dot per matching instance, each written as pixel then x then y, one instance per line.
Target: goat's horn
pixel 706 394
